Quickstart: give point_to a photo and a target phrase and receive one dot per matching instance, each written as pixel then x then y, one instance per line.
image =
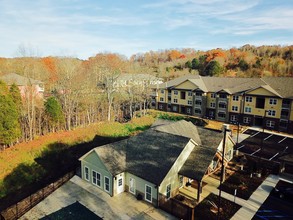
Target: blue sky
pixel 82 28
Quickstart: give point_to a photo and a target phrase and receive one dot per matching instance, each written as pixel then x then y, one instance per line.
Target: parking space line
pixel 268 137
pixel 255 134
pixel 240 147
pixel 282 140
pixel 255 152
pixel 274 156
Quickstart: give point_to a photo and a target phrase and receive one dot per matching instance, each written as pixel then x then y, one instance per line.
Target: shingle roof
pixel 199 160
pixel 19 80
pixel 151 154
pixel 280 86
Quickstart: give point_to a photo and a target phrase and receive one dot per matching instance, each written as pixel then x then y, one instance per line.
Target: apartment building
pixel 262 102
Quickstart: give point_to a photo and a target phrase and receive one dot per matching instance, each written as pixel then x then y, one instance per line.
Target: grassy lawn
pixel 204 209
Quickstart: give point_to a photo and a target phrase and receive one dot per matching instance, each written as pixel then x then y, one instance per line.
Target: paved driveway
pixel 122 206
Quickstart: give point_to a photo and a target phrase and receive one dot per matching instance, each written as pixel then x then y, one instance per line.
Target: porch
pixel 208 185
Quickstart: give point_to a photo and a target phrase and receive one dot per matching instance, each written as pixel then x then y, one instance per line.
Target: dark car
pixel 284 192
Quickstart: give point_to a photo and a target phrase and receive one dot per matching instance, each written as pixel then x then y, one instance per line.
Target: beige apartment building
pixel 262 102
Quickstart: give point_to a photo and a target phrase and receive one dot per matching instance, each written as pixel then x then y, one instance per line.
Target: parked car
pixel 284 192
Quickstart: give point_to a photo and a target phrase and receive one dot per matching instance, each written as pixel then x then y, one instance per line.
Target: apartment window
pixel 246 120
pixel 183 95
pixel 160 106
pixel 175 92
pixel 247 109
pixel 107 184
pixel 175 100
pixel 188 110
pixel 213 105
pixel 197 111
pixel 234 108
pixel 161 99
pixel 273 102
pixel 162 91
pixel 233 118
pixel 96 178
pixel 222 105
pixel 283 124
pixel 198 94
pixel 168 191
pixel 270 124
pixel 271 113
pixel 235 97
pixel 198 102
pixel 223 96
pixel 213 95
pixel 248 99
pixel 175 108
pixel 148 193
pixel 189 93
pixel 189 102
pixel 132 185
pixel 222 115
pixel 86 173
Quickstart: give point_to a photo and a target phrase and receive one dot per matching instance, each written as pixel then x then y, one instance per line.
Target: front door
pixel 120 185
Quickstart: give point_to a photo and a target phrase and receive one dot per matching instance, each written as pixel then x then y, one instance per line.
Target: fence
pixel 15 211
pixel 176 208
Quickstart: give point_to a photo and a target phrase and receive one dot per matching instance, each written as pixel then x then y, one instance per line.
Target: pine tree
pixel 54 113
pixel 9 123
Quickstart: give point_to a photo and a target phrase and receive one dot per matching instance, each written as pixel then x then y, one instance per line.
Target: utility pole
pixel 222 177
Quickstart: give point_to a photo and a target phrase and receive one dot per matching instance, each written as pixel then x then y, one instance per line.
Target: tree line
pixel 81 92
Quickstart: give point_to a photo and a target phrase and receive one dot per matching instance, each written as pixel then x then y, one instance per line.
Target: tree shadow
pixel 55 161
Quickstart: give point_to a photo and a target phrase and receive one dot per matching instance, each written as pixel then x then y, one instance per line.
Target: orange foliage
pixel 173 55
pixel 50 65
pixel 215 53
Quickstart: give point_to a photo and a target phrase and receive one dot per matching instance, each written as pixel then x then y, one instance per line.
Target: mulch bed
pixel 205 210
pixel 245 183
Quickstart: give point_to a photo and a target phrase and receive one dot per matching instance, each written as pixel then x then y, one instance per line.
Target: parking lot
pixel 266 145
pixel 276 208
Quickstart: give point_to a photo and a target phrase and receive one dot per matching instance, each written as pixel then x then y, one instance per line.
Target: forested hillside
pixel 81 92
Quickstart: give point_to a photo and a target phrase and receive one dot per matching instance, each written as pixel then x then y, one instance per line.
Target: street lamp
pixel 222 169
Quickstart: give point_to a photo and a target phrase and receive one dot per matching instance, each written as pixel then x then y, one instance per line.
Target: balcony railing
pixel 284 105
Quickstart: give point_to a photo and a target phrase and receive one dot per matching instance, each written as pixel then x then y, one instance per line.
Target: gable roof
pixel 151 154
pixel 148 155
pixel 200 158
pixel 19 80
pixel 279 86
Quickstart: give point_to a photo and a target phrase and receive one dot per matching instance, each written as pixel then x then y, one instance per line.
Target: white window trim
pixel 105 177
pixel 188 110
pixel 161 99
pixel 145 193
pixel 133 182
pixel 272 113
pixel 169 191
pixel 235 98
pixel 234 108
pixel 175 92
pixel 97 179
pixel 87 179
pixel 233 118
pixel 248 99
pixel 273 101
pixel 246 108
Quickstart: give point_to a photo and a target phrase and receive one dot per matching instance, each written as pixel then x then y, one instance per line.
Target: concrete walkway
pixel 250 206
pixel 123 206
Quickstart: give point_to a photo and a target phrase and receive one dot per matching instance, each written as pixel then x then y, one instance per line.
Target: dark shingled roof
pixel 149 155
pixel 200 158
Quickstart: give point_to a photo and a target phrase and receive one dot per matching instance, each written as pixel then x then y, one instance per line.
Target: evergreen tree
pixel 213 68
pixel 16 97
pixel 195 64
pixel 9 123
pixel 53 110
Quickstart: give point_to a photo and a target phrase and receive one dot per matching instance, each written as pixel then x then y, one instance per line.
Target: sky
pixel 83 28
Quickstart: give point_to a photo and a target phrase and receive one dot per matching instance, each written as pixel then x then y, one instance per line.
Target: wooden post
pixel 198 190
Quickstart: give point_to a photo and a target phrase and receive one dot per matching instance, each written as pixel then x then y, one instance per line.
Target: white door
pixel 120 185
